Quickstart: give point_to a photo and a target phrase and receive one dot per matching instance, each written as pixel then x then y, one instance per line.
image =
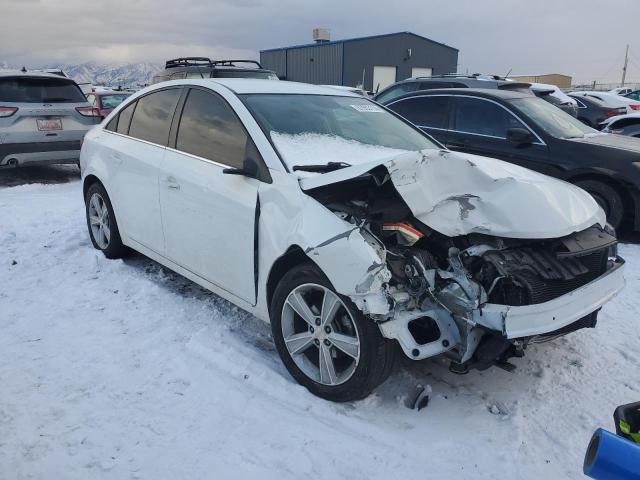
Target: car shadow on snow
pixel 409 379
pixel 48 174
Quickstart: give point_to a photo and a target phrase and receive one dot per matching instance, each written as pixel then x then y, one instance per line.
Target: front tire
pixel 607 197
pixel 325 342
pixel 101 222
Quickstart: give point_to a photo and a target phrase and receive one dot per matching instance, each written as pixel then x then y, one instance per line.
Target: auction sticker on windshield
pixel 367 108
pixel 49 124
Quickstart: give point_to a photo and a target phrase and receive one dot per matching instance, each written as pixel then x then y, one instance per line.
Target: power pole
pixel 624 69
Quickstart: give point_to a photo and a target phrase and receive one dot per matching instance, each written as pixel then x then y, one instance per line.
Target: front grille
pixel 540 277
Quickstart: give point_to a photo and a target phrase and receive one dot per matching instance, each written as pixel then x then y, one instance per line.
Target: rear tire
pixel 101 222
pixel 607 197
pixel 350 381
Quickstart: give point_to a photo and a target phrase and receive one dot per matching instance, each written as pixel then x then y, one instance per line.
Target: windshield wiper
pixel 322 168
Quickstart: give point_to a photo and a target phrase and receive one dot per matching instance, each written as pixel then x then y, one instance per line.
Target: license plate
pixel 49 124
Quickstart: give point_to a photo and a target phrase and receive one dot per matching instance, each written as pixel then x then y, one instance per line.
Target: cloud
pixel 585 40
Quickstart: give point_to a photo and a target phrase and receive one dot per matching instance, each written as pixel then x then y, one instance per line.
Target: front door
pixel 208 216
pixel 479 126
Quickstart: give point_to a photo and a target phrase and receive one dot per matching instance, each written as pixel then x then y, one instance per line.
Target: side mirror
pixel 250 169
pixel 520 136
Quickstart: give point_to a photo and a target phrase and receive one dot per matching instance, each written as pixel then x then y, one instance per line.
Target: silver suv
pixel 43 119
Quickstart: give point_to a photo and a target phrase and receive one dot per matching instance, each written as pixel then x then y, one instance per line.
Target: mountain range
pixel 129 75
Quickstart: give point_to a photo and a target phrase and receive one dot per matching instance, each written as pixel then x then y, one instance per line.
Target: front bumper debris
pixel 541 318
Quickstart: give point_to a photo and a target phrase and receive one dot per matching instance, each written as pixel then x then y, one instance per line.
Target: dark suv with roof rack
pixel 477 80
pixel 449 80
pixel 203 67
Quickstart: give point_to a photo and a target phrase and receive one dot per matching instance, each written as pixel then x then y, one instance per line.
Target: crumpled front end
pixel 466 289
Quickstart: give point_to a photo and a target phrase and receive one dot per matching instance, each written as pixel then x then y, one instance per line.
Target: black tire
pixel 377 354
pixel 114 248
pixel 607 197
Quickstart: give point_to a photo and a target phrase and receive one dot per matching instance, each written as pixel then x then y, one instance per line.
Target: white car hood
pixel 458 194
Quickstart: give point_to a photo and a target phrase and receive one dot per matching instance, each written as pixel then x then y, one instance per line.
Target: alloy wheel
pixel 320 334
pixel 99 221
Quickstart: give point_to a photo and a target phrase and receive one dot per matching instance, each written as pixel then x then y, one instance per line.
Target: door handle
pixel 172 183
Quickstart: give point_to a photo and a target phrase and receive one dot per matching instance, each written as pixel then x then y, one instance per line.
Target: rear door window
pixel 482 117
pixel 152 117
pixel 40 90
pixel 432 112
pixel 210 129
pixel 124 119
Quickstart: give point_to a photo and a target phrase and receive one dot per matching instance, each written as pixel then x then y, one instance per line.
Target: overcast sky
pixel 584 38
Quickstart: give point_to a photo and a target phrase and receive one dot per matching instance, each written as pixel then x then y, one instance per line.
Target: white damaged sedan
pixel 353 233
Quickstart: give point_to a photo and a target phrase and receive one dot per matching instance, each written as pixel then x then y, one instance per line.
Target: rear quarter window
pixel 40 90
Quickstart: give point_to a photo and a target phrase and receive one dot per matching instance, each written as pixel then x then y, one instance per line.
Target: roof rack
pixel 231 63
pixel 205 62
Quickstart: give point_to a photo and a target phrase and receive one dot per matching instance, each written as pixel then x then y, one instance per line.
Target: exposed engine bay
pixel 440 286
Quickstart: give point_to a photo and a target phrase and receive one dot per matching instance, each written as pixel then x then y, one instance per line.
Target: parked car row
pixel 45 115
pixel 355 233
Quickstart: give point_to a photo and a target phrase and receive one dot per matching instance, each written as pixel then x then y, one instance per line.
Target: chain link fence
pixel 605 87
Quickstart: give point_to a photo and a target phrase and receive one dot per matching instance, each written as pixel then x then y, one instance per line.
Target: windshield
pixel 112 101
pixel 247 73
pixel 318 129
pixel 40 90
pixel 551 119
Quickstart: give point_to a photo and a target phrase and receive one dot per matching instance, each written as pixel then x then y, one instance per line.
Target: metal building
pixel 557 79
pixel 374 62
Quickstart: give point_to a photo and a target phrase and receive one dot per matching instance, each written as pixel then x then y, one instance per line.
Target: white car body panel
pixel 181 211
pixel 458 194
pixel 134 168
pixel 208 221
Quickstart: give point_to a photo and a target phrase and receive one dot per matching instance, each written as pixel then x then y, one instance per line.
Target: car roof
pixel 254 85
pixel 28 74
pixel 474 92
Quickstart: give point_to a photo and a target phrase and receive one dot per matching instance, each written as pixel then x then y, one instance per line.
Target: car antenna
pixel 507 75
pixel 24 69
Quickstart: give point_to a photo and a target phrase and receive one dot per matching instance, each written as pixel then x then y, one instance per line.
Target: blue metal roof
pixel 320 44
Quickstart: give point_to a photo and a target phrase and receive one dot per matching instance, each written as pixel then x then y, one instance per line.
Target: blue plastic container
pixel 610 457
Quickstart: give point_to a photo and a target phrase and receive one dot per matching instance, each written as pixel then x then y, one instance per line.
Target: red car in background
pixel 106 100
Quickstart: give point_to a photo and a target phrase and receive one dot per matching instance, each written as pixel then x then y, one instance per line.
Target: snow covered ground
pixel 123 369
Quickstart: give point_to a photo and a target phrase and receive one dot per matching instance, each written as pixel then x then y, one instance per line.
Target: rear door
pixel 49 109
pixel 135 152
pixel 429 113
pixel 208 216
pixel 479 126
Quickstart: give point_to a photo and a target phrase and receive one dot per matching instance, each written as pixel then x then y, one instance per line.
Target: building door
pixel 383 77
pixel 421 72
